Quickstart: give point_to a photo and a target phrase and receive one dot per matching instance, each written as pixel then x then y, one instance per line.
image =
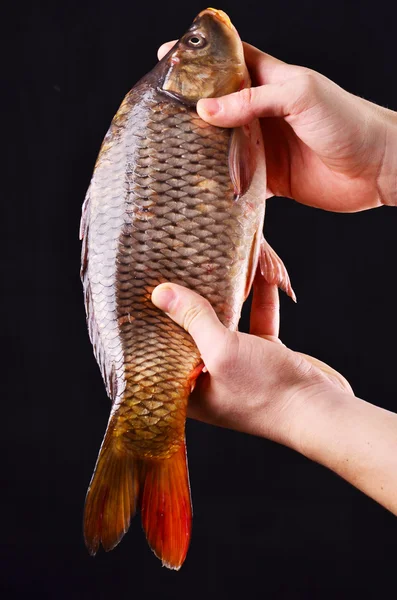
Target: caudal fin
pixel 161 487
pixel 166 508
pixel 111 498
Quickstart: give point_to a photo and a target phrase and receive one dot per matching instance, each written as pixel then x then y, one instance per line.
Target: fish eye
pixel 196 41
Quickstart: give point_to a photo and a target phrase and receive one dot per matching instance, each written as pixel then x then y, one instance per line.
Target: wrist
pixel 311 393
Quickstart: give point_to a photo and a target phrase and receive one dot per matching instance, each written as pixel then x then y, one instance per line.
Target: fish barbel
pixel 172 198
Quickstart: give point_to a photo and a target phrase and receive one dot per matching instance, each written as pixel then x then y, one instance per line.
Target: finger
pixel 165 48
pixel 194 313
pixel 265 308
pixel 265 68
pixel 240 108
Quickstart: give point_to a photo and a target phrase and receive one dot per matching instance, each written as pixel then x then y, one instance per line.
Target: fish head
pixel 207 61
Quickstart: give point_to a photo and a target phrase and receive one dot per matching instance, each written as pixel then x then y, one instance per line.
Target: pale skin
pixel 332 150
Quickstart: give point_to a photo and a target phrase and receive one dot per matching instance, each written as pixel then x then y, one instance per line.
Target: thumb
pixel 194 313
pixel 240 108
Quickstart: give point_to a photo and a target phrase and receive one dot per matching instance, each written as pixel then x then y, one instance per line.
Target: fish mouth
pixel 220 15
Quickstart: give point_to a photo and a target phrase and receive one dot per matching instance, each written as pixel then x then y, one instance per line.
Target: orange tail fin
pixel 166 508
pixel 162 486
pixel 111 498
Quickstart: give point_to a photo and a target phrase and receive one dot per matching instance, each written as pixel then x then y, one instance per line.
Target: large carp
pixel 172 198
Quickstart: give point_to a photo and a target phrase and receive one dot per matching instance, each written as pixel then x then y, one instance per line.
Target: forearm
pixel 388 175
pixel 385 121
pixel 355 439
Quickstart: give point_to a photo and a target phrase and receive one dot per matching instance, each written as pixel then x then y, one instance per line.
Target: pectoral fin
pixel 242 162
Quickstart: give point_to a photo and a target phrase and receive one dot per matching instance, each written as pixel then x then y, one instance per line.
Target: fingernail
pixel 210 105
pixel 163 297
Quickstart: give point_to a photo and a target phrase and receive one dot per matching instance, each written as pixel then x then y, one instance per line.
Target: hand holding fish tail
pixel 256 385
pixel 324 146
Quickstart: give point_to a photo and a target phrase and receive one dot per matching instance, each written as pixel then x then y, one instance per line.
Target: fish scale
pixel 172 199
pixel 179 224
pixel 176 229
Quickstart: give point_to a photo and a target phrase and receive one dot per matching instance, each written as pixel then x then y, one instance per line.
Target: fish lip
pixel 220 15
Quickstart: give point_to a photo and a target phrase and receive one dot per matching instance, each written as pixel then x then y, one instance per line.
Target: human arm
pixel 355 439
pixel 256 385
pixel 324 146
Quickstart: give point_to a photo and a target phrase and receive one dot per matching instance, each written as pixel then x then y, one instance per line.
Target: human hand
pixel 324 146
pixel 254 383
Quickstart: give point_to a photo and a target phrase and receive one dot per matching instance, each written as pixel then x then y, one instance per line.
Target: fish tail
pixel 161 487
pixel 166 510
pixel 111 498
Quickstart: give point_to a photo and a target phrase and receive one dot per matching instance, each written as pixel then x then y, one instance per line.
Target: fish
pixel 171 199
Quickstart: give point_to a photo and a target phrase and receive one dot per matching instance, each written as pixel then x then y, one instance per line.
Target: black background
pixel 267 523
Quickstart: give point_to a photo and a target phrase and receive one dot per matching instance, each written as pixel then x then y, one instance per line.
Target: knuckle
pixel 268 306
pixel 193 314
pixel 308 83
pixel 246 99
pixel 309 79
pixel 304 90
pixel 246 95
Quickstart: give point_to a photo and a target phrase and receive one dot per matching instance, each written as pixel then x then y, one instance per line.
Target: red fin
pixel 242 161
pixel 111 498
pixel 164 496
pixel 273 269
pixel 194 376
pixel 166 508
